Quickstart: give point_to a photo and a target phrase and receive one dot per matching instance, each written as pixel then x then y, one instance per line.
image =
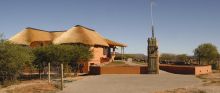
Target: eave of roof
pixel 114 43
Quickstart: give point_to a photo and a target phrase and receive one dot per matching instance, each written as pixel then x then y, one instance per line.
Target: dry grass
pixel 118 63
pixel 140 63
pixel 37 86
pixel 31 86
pixel 211 79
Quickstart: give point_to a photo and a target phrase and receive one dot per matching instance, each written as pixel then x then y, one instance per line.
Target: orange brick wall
pixel 97 55
pixel 85 67
pixel 203 70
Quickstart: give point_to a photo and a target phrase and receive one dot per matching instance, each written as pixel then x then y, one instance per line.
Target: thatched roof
pixel 113 43
pixel 80 34
pixel 29 35
pixel 77 34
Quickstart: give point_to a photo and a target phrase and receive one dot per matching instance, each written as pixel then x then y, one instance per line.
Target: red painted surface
pixel 193 70
pixel 196 70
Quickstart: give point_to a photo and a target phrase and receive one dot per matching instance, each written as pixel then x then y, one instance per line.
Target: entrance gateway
pixel 153 55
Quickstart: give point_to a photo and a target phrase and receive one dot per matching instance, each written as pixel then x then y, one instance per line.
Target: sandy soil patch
pixel 38 86
pixel 211 79
pixel 183 90
pixel 210 84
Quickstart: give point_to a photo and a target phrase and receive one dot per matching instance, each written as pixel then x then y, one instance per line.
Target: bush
pixel 57 54
pixel 206 53
pixel 13 59
pixel 62 54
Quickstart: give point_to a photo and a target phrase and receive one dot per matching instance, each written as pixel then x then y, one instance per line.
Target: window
pixel 105 51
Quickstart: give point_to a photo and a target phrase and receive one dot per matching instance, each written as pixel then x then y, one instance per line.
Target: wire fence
pixel 52 73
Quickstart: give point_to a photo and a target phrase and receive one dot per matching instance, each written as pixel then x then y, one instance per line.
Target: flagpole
pixel 152 20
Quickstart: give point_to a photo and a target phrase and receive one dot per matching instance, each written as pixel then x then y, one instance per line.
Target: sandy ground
pixel 210 84
pixel 163 83
pixel 131 83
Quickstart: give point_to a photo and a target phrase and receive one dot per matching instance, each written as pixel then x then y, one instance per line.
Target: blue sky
pixel 180 25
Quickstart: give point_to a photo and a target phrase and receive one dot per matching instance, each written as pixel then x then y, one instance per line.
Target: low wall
pixel 203 70
pixel 118 70
pixel 178 69
pixel 192 70
pixel 196 70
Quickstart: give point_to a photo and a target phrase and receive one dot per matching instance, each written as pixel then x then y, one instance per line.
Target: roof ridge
pixel 43 30
pixel 85 27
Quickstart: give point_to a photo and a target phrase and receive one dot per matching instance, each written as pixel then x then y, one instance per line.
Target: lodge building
pixel 103 49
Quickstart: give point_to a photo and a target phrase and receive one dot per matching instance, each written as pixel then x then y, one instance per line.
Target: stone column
pixel 153 56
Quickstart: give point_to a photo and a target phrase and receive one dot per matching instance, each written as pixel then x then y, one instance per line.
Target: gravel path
pixel 131 83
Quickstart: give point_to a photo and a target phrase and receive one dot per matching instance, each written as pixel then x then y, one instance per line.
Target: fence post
pixel 61 76
pixel 49 72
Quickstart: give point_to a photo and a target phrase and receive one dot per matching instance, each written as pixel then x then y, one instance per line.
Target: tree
pixel 182 58
pixel 167 57
pixel 135 57
pixel 73 55
pixel 13 59
pixel 206 53
pixel 218 62
pixel 57 54
pixel 1 38
pixel 43 57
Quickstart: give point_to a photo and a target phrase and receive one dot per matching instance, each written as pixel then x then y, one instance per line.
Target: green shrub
pixel 57 54
pixel 13 59
pixel 206 53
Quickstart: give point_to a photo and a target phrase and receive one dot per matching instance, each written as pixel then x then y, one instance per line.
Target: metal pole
pixel 152 20
pixel 61 76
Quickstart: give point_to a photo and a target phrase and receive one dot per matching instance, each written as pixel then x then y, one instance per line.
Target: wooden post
pixel 40 73
pixel 121 55
pixel 49 72
pixel 61 76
